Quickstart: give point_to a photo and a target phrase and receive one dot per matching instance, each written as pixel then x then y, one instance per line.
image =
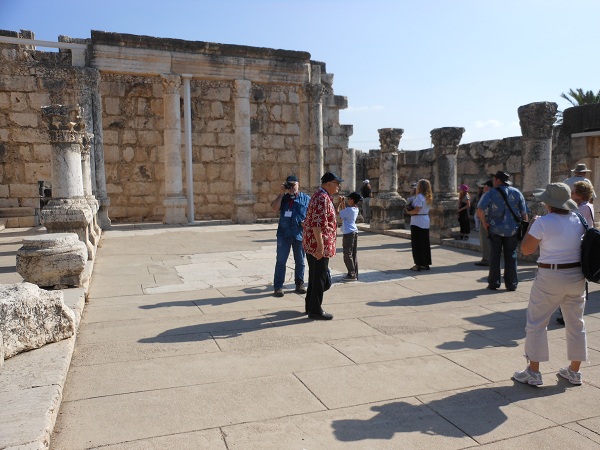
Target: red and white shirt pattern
pixel 321 213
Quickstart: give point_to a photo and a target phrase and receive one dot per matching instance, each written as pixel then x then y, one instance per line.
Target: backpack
pixel 590 252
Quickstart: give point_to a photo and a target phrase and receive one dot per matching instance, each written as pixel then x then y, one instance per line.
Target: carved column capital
pixel 389 139
pixel 65 123
pixel 445 140
pixel 86 144
pixel 536 119
pixel 241 88
pixel 315 92
pixel 171 83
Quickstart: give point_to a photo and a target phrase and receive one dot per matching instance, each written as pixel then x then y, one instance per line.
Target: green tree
pixel 578 97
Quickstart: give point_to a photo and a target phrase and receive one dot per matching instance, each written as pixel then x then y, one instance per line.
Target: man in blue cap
pixel 291 204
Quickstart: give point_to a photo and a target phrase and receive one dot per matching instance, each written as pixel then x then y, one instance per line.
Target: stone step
pixel 19 216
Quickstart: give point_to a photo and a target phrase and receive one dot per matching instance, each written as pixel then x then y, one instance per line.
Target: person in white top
pixel 582 193
pixel 579 174
pixel 559 282
pixel 419 226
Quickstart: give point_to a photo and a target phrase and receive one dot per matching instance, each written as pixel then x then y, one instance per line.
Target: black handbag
pixel 523 224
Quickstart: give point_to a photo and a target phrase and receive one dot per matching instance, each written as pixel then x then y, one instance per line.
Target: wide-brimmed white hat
pixel 580 168
pixel 557 195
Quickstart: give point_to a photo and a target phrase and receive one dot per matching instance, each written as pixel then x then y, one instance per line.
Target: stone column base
pixel 444 217
pixel 56 259
pixel 387 212
pixel 103 219
pixel 243 208
pixel 69 215
pixel 175 210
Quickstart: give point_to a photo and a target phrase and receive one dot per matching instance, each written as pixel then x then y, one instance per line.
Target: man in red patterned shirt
pixel 319 240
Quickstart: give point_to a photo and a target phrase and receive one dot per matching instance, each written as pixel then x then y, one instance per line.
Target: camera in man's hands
pixel 288 185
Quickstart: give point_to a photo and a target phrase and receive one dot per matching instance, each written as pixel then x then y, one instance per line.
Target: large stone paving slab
pixel 178 410
pixel 345 386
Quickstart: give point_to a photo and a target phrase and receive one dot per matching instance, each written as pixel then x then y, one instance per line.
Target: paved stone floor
pixel 182 346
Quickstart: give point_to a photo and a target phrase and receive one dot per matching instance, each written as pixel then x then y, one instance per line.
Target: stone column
pixel 443 211
pixel 86 171
pixel 315 92
pixel 174 200
pixel 98 158
pixel 348 170
pixel 243 199
pixel 387 209
pixel 68 210
pixel 536 120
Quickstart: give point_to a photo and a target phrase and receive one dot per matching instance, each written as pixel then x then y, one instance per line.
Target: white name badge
pixel 287 214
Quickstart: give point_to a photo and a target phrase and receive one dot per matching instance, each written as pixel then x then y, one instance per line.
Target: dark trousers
pixel 318 283
pixel 463 221
pixel 508 245
pixel 421 249
pixel 349 243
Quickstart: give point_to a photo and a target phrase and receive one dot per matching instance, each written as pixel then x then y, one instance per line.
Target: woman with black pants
pixel 419 226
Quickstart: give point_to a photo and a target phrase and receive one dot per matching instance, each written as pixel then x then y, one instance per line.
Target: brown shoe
pixel 278 293
pixel 300 289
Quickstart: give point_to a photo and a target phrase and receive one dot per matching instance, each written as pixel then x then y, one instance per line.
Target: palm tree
pixel 578 97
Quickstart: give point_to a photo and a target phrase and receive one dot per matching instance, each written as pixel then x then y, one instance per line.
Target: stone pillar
pixel 387 209
pixel 98 158
pixel 315 93
pixel 86 171
pixel 67 211
pixel 348 170
pixel 536 120
pixel 243 199
pixel 174 201
pixel 443 211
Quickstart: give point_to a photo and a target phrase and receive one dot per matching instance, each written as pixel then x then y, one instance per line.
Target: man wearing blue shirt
pixel 292 206
pixel 496 216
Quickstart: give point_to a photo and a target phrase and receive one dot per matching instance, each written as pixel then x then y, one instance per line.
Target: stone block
pixel 32 317
pixel 275 113
pixel 42 152
pixel 226 139
pixel 23 190
pixel 37 100
pixel 31 221
pixel 222 94
pixel 219 126
pixel 129 137
pixel 111 154
pixel 149 138
pixel 54 259
pixel 110 137
pixel 293 98
pixel 24 119
pixel 21 83
pixel 37 171
pixel 18 101
pixel 4 100
pixel 32 136
pixel 4 193
pixel 112 105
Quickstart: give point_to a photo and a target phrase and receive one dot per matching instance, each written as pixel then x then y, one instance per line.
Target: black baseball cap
pixel 330 176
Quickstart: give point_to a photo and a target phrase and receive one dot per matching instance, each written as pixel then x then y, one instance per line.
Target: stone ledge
pixel 31 384
pixel 17 211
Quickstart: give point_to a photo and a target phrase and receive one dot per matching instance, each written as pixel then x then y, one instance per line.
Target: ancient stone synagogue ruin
pixel 178 131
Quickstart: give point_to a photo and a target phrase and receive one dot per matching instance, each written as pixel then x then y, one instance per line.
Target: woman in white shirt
pixel 419 226
pixel 559 282
pixel 582 193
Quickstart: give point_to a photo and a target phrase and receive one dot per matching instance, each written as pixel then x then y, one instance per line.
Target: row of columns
pixel 243 198
pixel 536 121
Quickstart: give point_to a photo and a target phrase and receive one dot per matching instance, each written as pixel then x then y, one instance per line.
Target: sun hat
pixel 502 176
pixel 366 182
pixel 292 179
pixel 580 168
pixel 463 187
pixel 557 195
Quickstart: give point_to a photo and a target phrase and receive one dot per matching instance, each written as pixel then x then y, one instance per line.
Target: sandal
pixel 415 268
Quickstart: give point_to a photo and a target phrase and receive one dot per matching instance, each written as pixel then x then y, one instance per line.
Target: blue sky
pixel 411 64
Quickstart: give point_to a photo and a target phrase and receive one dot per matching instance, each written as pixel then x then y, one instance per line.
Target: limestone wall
pixel 132 111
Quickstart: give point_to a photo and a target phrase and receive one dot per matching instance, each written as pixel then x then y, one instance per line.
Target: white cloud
pixel 490 123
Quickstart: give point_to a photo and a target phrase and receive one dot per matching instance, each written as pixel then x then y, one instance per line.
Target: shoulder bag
pixel 523 224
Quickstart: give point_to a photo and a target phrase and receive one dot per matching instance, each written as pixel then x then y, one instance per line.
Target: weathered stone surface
pixel 31 317
pixel 52 259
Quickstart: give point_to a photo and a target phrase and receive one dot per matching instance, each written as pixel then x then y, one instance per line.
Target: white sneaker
pixel 568 374
pixel 528 376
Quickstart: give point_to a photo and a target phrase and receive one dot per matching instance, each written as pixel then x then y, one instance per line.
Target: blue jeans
pixel 283 251
pixel 508 245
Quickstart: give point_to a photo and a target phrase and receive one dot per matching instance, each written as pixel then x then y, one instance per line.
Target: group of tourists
pixel 308 226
